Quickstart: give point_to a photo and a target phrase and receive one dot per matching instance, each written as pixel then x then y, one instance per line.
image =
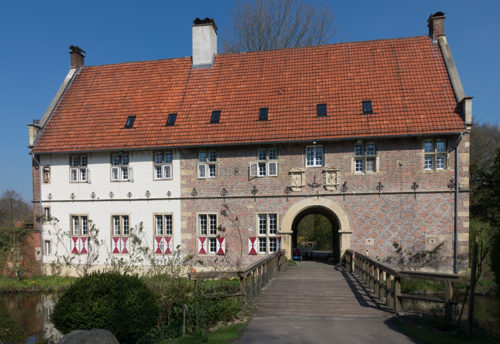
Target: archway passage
pixel 315 231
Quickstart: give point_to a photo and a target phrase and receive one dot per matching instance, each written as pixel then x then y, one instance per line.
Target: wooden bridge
pixel 316 302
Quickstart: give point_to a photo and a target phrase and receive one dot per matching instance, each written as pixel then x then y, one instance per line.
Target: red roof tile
pixel 405 79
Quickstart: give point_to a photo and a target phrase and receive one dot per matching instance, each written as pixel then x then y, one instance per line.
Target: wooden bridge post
pixel 448 297
pixel 388 291
pixel 254 282
pixel 243 290
pixel 397 294
pixel 377 282
pixel 372 277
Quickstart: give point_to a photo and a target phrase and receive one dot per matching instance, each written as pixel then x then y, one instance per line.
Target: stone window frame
pixel 121 229
pixel 46 215
pixel 47 247
pixel 78 168
pixel 268 237
pixel 315 158
pixel 435 154
pixel 207 164
pixel 163 165
pixel 364 158
pixel 164 221
pixel 124 171
pixel 211 237
pixel 83 232
pixel 46 174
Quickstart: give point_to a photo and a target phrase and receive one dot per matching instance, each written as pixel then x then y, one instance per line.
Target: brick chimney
pixel 204 42
pixel 436 25
pixel 77 56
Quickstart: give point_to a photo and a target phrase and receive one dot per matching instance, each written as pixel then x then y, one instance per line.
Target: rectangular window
pixel 208 228
pixel 367 107
pixel 435 154
pixel 162 165
pixel 171 119
pixel 365 157
pixel 207 166
pixel 266 165
pixel 120 170
pixel 263 112
pixel 46 214
pixel 267 230
pixel 321 110
pixel 121 225
pixel 215 117
pixel 78 172
pixel 76 225
pixel 79 225
pixel 314 156
pixel 48 248
pixel 163 224
pixel 79 230
pixel 130 122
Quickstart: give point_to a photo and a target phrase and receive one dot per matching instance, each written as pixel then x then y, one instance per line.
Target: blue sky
pixel 35 35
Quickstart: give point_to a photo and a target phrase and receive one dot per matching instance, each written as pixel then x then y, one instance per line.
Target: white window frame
pixel 269 233
pixel 164 165
pixel 211 230
pixel 123 225
pixel 362 158
pixel 318 160
pixel 121 170
pixel 78 169
pixel 47 248
pixel 434 155
pixel 207 165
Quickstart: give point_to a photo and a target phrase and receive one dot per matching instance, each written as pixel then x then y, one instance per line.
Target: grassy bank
pixel 431 330
pixel 35 284
pixel 226 334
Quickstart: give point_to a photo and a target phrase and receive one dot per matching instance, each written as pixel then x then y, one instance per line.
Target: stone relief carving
pixel 331 178
pixel 297 179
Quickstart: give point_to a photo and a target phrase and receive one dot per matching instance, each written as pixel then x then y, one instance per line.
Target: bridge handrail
pixel 385 280
pixel 252 278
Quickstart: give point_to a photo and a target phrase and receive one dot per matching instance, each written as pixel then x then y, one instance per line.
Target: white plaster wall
pixel 99 211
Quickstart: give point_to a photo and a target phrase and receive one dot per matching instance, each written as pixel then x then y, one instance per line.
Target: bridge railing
pixel 385 281
pixel 252 278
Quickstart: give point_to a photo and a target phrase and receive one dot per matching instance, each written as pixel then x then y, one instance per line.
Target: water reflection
pixel 32 311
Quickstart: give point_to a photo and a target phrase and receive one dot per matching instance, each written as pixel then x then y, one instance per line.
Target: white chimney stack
pixel 204 42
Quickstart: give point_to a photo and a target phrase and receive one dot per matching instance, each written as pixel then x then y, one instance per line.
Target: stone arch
pixel 302 206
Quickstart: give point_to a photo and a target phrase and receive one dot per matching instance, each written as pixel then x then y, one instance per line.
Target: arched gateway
pixel 329 209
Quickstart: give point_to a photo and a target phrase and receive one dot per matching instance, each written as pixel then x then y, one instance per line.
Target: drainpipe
pixel 40 209
pixel 455 224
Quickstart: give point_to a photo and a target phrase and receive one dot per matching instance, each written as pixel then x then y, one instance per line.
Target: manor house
pixel 221 155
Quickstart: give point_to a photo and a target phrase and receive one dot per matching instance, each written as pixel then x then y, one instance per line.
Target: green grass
pixel 435 331
pixel 222 335
pixel 409 285
pixel 41 283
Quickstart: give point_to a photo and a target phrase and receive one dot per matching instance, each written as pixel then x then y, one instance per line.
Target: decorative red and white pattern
pixel 202 245
pixel 120 245
pixel 221 246
pixel 163 245
pixel 79 245
pixel 252 241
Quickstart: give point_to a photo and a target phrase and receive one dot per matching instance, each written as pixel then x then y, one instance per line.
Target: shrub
pixel 119 303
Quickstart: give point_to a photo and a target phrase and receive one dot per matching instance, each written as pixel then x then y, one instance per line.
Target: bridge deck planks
pixel 316 289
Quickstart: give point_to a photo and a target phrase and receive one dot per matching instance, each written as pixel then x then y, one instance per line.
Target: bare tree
pixel 277 24
pixel 13 208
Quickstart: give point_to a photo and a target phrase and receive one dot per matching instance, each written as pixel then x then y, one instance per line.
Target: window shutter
pixel 251 245
pixel 202 171
pixel 73 174
pixel 130 174
pixel 272 168
pixel 125 248
pixel 88 176
pixel 168 246
pixel 167 171
pixel 157 245
pixel 83 245
pixel 221 246
pixel 115 244
pixel 202 245
pixel 115 173
pixel 253 169
pixel 74 245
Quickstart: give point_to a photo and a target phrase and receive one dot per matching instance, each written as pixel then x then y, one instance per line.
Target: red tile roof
pixel 405 79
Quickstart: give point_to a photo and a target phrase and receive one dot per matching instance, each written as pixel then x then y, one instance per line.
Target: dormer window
pixel 263 112
pixel 215 117
pixel 171 119
pixel 367 107
pixel 130 122
pixel 321 110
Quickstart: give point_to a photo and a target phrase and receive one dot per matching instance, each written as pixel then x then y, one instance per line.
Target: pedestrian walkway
pixel 315 302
